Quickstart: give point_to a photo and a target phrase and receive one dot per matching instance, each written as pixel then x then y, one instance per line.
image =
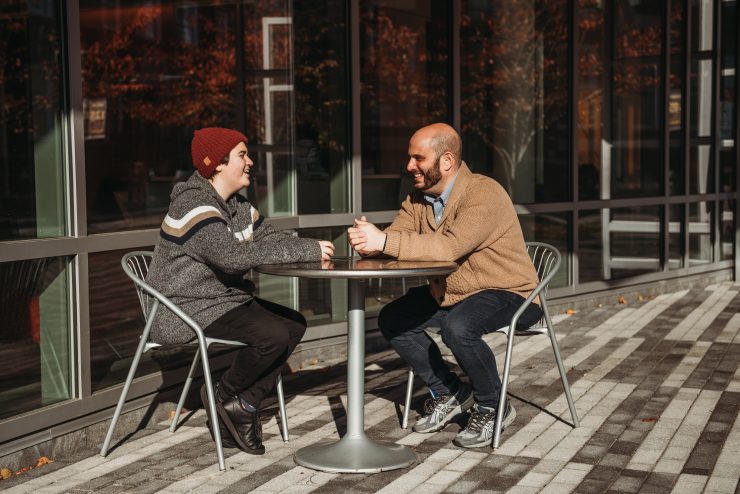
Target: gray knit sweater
pixel 206 247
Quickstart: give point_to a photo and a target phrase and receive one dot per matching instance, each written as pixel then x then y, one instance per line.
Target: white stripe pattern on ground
pixel 65 478
pixel 701 316
pixel 727 469
pixel 688 363
pixel 730 331
pixel 689 483
pixel 687 435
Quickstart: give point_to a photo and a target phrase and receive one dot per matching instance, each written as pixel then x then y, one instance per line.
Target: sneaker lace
pixel 479 419
pixel 433 403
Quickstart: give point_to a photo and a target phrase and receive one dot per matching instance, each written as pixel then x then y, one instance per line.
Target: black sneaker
pixel 439 411
pixel 479 431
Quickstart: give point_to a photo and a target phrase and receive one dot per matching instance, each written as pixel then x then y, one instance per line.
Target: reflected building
pixel 612 124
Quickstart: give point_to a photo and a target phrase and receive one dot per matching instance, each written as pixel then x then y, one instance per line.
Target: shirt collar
pixel 445 195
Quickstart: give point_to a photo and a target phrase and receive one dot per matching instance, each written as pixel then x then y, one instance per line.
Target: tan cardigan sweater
pixel 479 230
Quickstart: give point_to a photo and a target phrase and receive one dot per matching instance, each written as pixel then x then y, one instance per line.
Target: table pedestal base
pixel 355 455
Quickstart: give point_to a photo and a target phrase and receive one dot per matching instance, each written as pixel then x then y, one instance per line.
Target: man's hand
pixel 327 249
pixel 366 238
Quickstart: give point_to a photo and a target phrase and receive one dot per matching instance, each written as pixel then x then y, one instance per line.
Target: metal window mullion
pixel 573 67
pixel 686 119
pixel 736 250
pixel 456 58
pixel 666 58
pixel 356 108
pixel 79 319
pixel 716 70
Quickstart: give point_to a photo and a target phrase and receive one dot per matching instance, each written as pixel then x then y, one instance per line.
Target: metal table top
pixel 357 267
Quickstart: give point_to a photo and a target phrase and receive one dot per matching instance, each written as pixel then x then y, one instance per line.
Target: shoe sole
pixel 230 425
pixel 507 422
pixel 458 410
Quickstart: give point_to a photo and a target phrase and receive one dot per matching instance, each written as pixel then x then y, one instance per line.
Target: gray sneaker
pixel 479 431
pixel 439 411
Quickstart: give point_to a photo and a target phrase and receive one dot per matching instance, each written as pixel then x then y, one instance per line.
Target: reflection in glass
pixel 675 101
pixel 700 233
pixel 675 236
pixel 592 148
pixel 554 229
pixel 618 243
pixel 35 349
pixel 590 247
pixel 701 169
pixel 321 107
pixel 702 25
pixel 727 229
pixel 405 76
pixel 514 96
pixel 636 124
pixel 32 203
pixel 701 98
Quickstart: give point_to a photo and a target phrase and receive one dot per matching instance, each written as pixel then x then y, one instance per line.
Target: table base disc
pixel 357 455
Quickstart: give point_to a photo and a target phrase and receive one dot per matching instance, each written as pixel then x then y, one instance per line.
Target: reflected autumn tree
pixel 515 79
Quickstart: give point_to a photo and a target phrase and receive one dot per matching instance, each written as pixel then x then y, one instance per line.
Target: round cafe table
pixel 355 452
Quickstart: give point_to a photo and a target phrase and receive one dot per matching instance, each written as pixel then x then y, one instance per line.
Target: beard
pixel 432 176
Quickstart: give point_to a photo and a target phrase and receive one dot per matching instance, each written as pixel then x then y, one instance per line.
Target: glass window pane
pixel 700 233
pixel 638 28
pixel 321 109
pixel 702 94
pixel 701 169
pixel 728 105
pixel 618 243
pixel 727 229
pixel 32 175
pixel 405 75
pixel 514 96
pixel 675 102
pixel 636 123
pixel 702 28
pixel 35 334
pixel 553 229
pixel 675 236
pixel 590 73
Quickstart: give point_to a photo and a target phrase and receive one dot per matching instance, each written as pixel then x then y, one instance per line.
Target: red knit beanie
pixel 211 145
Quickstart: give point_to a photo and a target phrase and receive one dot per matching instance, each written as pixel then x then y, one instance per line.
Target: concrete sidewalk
pixel 656 385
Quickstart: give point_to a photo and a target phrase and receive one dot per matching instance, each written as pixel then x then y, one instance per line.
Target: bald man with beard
pixel 454 215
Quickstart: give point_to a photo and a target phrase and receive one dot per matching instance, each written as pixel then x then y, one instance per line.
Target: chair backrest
pixel 136 266
pixel 546 260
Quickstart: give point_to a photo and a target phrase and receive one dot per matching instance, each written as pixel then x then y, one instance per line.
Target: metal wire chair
pixel 546 260
pixel 136 266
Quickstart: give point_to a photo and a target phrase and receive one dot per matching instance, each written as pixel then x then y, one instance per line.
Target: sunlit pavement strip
pixel 691 388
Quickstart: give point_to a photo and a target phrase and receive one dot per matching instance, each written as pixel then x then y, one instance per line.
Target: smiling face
pixel 234 175
pixel 424 165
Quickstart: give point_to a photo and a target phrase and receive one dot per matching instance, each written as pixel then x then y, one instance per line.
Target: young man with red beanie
pixel 209 239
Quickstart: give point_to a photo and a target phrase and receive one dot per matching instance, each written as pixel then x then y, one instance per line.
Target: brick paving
pixel 656 384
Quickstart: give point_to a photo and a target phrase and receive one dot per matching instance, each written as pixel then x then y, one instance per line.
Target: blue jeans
pixel 462 326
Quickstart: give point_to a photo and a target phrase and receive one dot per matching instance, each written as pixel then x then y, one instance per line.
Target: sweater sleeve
pixel 205 235
pixel 482 217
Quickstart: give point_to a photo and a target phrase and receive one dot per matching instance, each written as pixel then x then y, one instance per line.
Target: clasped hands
pixel 365 238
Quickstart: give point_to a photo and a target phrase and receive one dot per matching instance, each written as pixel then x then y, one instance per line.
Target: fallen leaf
pixel 44 460
pixel 622 300
pixel 5 473
pixel 649 420
pixel 23 470
pixel 640 298
pixel 570 312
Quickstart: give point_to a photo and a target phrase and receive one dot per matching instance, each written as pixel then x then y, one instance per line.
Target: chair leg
pixel 281 404
pixel 202 348
pixel 185 389
pixel 407 406
pixel 504 385
pixel 561 368
pixel 124 392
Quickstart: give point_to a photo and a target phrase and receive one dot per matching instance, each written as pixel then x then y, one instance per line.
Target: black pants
pixel 271 332
pixel 403 322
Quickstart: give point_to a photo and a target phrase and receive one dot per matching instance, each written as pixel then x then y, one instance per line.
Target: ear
pixel 448 160
pixel 218 168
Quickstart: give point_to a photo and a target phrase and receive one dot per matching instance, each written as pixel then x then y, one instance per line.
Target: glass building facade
pixel 612 124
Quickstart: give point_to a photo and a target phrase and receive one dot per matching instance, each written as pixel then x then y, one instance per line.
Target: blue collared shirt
pixel 438 203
